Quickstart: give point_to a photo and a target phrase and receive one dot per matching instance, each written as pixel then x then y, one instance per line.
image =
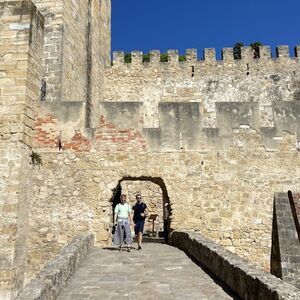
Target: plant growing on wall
pixel 146 57
pixel 163 57
pixel 255 48
pixel 36 159
pixel 182 58
pixel 127 58
pixel 237 49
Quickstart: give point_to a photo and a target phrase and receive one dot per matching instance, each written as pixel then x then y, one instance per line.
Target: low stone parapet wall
pixel 51 280
pixel 285 258
pixel 244 279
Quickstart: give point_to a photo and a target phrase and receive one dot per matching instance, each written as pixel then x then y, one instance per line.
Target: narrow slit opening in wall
pixel 295 52
pixel 193 71
pixel 155 196
pixel 43 90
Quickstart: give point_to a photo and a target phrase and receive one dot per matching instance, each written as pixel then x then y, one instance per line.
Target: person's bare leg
pixel 140 238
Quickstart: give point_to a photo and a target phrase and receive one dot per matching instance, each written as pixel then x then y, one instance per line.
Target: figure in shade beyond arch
pixel 139 216
pixel 122 222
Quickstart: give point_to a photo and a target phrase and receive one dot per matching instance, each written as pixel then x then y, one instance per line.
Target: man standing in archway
pixel 139 216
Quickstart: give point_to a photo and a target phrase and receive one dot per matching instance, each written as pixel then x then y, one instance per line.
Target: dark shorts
pixel 139 227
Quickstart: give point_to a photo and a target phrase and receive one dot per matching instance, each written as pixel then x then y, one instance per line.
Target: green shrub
pixel 127 58
pixel 146 57
pixel 237 49
pixel 163 57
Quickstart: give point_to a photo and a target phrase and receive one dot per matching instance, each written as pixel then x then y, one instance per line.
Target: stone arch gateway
pixel 163 210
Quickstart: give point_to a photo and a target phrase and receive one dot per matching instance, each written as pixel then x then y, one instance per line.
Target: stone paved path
pixel 157 272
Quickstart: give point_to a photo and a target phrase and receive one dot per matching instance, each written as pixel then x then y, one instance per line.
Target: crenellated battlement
pixel 209 56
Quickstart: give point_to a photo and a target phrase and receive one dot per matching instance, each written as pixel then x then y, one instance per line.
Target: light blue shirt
pixel 123 210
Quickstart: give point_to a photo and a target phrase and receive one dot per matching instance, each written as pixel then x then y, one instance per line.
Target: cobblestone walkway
pixel 157 272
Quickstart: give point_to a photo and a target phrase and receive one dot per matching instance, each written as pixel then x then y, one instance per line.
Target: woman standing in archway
pixel 122 222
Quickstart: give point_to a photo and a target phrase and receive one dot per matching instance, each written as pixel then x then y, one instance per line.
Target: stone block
pixel 227 54
pixel 191 55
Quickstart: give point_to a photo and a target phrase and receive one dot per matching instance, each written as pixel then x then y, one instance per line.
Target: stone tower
pixel 76 51
pixel 62 48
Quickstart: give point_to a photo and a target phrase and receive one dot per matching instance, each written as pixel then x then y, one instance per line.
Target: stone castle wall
pixel 22 29
pixel 76 53
pixel 75 44
pixel 208 95
pixel 208 80
pixel 226 195
pixel 222 135
pixel 218 137
pixel 190 105
pixel 84 53
pixel 52 53
pixel 98 57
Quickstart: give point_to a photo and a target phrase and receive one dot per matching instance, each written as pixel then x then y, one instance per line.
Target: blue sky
pixel 176 24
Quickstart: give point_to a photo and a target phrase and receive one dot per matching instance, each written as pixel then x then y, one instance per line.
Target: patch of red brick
pixel 78 143
pixel 45 134
pixel 110 138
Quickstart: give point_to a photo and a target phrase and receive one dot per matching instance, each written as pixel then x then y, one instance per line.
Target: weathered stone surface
pixel 22 29
pixel 76 52
pixel 285 259
pixel 244 279
pixel 53 277
pixel 157 272
pixel 20 63
pixel 226 195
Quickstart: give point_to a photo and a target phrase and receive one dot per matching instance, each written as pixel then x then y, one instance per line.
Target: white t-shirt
pixel 123 210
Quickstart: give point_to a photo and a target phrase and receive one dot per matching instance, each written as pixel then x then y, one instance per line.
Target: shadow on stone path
pixel 159 271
